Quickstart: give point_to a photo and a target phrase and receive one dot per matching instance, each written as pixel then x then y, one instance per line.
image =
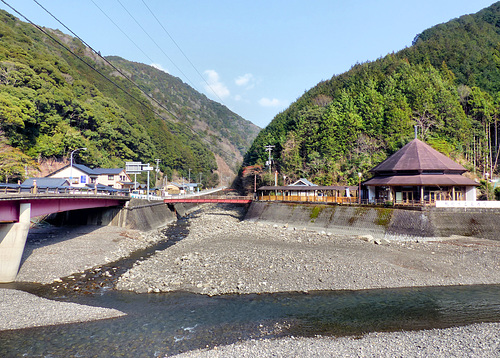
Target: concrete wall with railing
pixel 380 222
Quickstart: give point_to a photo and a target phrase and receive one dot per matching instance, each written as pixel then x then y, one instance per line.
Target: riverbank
pixel 20 309
pixel 224 254
pixel 55 252
pixel 478 341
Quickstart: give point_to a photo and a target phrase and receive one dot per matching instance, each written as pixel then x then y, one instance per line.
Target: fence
pixel 27 189
pixel 310 199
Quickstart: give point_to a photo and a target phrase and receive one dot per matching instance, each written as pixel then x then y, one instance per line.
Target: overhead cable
pixel 109 63
pixel 123 32
pixel 159 47
pixel 175 43
pixel 74 54
pixel 102 74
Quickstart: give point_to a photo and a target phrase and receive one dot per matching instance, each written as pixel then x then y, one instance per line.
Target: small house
pixel 78 175
pixel 114 177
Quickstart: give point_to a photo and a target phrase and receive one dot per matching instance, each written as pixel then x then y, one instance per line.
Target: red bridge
pixel 211 199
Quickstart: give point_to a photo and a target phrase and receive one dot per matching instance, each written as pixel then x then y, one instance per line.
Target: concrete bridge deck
pixel 44 204
pixel 17 209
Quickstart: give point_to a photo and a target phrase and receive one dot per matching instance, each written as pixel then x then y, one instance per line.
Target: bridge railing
pixel 27 189
pixel 208 198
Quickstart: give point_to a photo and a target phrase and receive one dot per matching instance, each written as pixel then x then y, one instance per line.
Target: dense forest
pixel 52 102
pixel 447 83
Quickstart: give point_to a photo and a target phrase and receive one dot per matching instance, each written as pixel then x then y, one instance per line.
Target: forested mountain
pixel 447 83
pixel 51 102
pixel 224 132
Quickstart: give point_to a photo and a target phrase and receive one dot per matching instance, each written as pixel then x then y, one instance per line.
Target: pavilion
pixel 419 174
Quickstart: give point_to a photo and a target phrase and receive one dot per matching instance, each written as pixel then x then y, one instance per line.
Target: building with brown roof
pixel 419 174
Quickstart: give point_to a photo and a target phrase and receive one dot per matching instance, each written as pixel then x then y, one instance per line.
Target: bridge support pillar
pixel 12 239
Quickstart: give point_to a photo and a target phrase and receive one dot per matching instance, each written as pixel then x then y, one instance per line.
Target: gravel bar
pixel 20 309
pixel 55 252
pixel 478 340
pixel 224 254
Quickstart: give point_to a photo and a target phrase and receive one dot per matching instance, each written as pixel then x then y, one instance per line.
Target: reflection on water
pixel 165 324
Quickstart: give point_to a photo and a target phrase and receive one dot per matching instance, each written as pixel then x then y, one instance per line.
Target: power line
pixel 74 54
pixel 123 32
pixel 175 43
pixel 109 63
pixel 159 47
pixel 102 74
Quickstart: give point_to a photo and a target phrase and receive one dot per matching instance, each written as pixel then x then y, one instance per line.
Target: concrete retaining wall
pixel 389 223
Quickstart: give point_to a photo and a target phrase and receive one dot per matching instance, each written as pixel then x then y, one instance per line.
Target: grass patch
pixel 315 212
pixel 384 217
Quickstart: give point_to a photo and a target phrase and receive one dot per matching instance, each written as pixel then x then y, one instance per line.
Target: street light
pixel 71 164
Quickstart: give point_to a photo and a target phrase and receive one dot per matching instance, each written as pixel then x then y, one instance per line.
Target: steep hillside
pixel 56 95
pixel 446 83
pixel 224 132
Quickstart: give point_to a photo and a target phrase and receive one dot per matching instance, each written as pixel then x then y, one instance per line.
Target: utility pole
pixel 269 148
pixel 157 170
pixel 71 165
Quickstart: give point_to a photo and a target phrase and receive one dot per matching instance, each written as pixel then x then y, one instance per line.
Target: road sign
pixel 133 167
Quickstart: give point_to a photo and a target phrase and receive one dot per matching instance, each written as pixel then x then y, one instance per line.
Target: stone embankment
pixel 224 254
pixel 419 223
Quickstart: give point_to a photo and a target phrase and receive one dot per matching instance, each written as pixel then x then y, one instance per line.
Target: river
pixel 163 324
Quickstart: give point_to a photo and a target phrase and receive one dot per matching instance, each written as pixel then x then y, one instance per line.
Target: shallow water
pixel 159 325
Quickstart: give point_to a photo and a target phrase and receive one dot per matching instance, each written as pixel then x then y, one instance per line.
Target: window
pixel 111 177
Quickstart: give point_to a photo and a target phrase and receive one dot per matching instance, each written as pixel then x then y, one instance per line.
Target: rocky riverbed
pixel 474 341
pixel 224 254
pixel 55 252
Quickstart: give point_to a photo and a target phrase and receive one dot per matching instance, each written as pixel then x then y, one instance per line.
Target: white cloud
pixel 214 85
pixel 238 97
pixel 266 102
pixel 159 67
pixel 243 80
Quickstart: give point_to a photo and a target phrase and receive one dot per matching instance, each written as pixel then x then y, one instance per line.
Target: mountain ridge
pixel 446 83
pixel 51 103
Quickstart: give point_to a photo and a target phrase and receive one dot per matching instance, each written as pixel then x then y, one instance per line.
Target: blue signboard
pixel 83 179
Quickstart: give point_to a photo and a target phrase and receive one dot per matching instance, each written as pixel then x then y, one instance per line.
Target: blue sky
pixel 257 56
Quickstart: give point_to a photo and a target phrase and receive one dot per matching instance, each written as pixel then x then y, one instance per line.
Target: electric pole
pixel 269 148
pixel 157 170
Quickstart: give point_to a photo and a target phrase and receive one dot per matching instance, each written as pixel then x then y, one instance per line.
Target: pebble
pixel 221 244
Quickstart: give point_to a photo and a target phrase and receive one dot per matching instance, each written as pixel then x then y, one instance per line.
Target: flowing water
pixel 159 325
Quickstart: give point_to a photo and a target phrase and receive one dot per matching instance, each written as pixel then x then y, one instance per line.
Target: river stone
pixel 367 238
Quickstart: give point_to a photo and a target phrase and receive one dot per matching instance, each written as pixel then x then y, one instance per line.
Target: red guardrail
pixel 211 199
